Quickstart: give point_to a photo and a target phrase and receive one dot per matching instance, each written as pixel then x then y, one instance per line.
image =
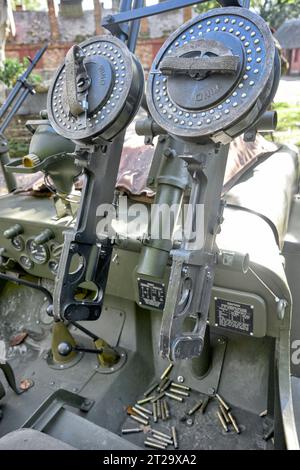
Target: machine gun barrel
pixel 21 83
pixel 10 107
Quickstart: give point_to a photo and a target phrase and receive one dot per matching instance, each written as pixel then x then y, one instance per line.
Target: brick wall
pixel 56 52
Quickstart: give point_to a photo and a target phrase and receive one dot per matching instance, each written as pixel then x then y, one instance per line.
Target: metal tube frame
pixel 111 22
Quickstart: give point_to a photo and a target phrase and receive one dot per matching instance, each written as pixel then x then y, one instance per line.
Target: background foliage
pixel 12 69
pixel 274 12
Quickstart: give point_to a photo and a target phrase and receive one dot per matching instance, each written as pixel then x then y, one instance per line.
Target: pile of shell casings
pixel 157 397
pixel 225 416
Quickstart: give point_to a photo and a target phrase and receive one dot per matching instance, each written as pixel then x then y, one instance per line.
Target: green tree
pixel 28 4
pixel 274 12
pixel 12 69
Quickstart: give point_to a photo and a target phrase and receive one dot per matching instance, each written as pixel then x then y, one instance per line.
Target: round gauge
pixel 18 243
pixel 53 266
pixel 26 262
pixel 38 253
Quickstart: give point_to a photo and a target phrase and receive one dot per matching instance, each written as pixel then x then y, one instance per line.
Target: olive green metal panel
pixel 34 215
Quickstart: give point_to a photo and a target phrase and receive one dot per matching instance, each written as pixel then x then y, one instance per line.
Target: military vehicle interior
pixel 129 342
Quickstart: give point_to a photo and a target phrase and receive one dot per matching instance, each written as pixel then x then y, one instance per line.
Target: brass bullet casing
pixel 166 407
pixel 223 403
pixel 166 372
pixel 162 409
pixel 195 408
pixel 157 441
pixel 139 420
pixel 162 434
pixel 129 431
pixel 145 400
pixel 182 387
pixel 165 385
pixel 140 413
pixel 164 439
pixel 158 409
pixel 154 412
pixel 156 446
pixel 150 390
pixel 145 410
pixel 224 413
pixel 222 421
pixel 162 384
pixel 179 392
pixel 158 397
pixel 174 436
pixel 174 397
pixel 234 423
pixel 204 405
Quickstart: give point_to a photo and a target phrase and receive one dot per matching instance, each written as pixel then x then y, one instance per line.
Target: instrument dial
pixel 26 262
pixel 38 253
pixel 18 243
pixel 53 266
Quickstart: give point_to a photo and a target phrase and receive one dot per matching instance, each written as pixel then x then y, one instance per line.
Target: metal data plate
pixel 113 96
pixel 191 106
pixel 234 316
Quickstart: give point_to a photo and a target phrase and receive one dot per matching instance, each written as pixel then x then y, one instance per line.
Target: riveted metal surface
pixel 214 103
pixel 114 95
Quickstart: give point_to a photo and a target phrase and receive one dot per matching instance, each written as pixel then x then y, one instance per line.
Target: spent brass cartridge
pixel 204 405
pixel 166 372
pixel 157 441
pixel 158 407
pixel 150 390
pixel 154 412
pixel 162 384
pixel 224 413
pixel 162 409
pixel 182 387
pixel 179 392
pixel 145 410
pixel 139 420
pixel 162 434
pixel 222 421
pixel 220 399
pixel 269 434
pixel 156 446
pixel 140 413
pixel 164 439
pixel 166 385
pixel 145 400
pixel 174 436
pixel 195 408
pixel 234 423
pixel 129 431
pixel 166 407
pixel 174 397
pixel 158 397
